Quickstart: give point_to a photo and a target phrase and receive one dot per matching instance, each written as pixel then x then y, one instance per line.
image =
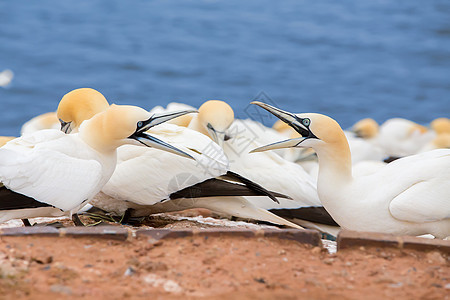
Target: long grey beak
pixel 288 118
pixel 217 136
pixel 145 139
pixel 279 145
pixel 284 116
pixel 151 141
pixel 65 126
pixel 159 118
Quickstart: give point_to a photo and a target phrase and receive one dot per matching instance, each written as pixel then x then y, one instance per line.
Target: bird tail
pixel 240 207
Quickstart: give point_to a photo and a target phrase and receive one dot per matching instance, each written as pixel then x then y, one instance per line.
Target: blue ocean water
pixel 347 59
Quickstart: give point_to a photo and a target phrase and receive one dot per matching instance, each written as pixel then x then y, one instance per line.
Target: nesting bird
pixel 408 196
pixel 397 137
pixel 49 173
pixel 77 106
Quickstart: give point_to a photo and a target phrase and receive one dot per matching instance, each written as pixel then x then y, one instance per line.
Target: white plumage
pixel 144 179
pixel 273 172
pixel 267 169
pixel 148 176
pixel 53 168
pixel 408 196
pixel 41 122
pixel 66 171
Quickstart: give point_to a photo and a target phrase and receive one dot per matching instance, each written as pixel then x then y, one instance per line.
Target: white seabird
pixel 409 196
pixel 397 137
pixel 49 173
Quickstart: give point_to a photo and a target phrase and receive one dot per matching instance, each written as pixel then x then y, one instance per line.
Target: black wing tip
pixel 256 187
pixel 10 200
pixel 315 214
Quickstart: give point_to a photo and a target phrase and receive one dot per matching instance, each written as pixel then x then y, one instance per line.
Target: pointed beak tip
pixel 190 111
pixel 159 118
pixel 153 142
pixel 259 103
pixel 254 150
pixel 190 157
pixel 184 154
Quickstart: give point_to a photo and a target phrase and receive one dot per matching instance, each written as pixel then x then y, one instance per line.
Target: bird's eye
pixel 140 124
pixel 306 122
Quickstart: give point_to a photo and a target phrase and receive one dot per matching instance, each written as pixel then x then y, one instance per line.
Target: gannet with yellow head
pixel 363 142
pixel 79 105
pixel 397 137
pixel 213 119
pixel 49 173
pixel 408 196
pixel 366 128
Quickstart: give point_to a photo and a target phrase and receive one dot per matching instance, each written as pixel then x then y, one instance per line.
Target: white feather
pixel 146 176
pixel 53 168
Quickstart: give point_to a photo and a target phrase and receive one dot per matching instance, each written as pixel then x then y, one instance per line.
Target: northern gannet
pixel 149 181
pixel 409 196
pixel 77 106
pixel 49 173
pixel 397 137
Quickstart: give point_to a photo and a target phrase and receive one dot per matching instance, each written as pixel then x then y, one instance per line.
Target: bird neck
pixel 95 134
pixel 197 126
pixel 335 163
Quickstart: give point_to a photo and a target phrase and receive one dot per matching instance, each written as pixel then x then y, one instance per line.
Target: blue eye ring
pixel 306 122
pixel 140 124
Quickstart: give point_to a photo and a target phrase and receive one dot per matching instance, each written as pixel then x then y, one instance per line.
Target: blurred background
pixel 348 59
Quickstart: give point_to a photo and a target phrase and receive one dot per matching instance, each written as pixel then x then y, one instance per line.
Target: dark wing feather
pixel 316 214
pixel 215 187
pixel 253 186
pixel 11 200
